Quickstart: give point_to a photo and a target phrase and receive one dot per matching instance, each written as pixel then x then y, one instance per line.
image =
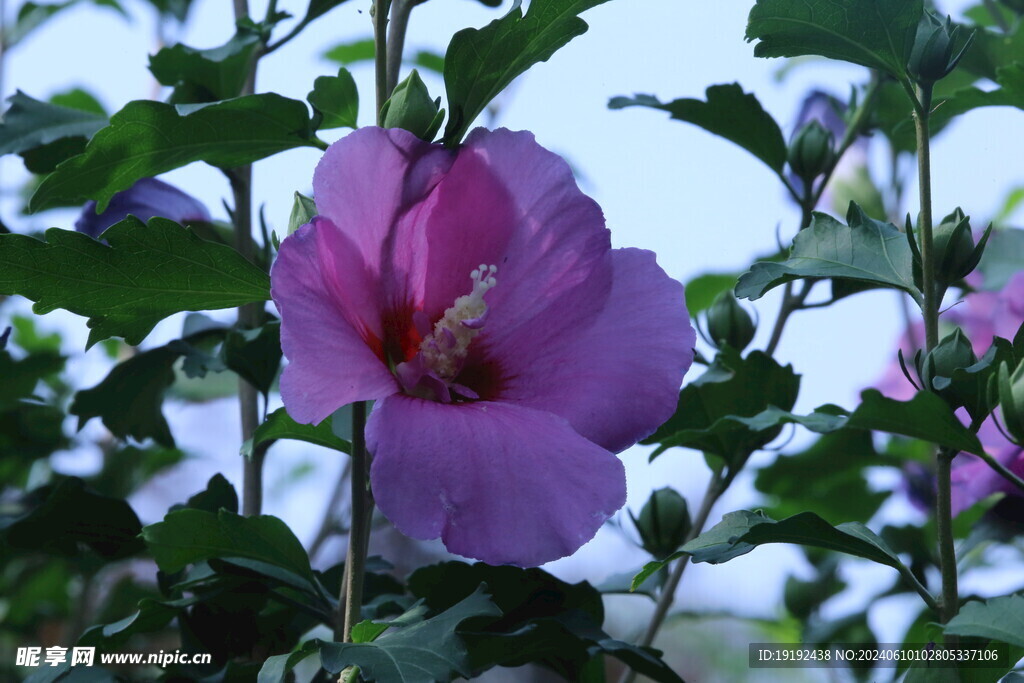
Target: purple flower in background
pixel 973 480
pixel 146 198
pixel 475 296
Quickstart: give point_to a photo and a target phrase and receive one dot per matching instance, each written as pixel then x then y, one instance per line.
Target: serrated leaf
pixel 740 532
pixel 206 75
pixel 146 139
pixel 130 398
pixel 480 63
pixel 189 536
pixel 29 124
pixel 925 417
pixel 877 34
pixel 999 619
pixel 279 425
pixel 729 112
pixel 732 386
pixel 336 99
pixel 142 275
pixel 865 251
pixel 425 652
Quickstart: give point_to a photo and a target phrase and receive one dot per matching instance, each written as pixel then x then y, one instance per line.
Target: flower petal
pixel 618 379
pixel 329 321
pixel 148 197
pixel 499 483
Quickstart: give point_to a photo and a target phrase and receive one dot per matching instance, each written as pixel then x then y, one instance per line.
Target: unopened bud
pixel 1011 399
pixel 954 247
pixel 811 151
pixel 411 108
pixel 938 365
pixel 931 57
pixel 663 523
pixel 729 324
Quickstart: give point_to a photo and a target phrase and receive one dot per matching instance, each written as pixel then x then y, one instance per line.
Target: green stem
pixel 931 303
pixel 716 487
pixel 380 53
pixel 400 12
pixel 349 607
pixel 950 604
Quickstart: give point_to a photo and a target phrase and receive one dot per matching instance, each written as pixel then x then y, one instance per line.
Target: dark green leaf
pixel 1010 94
pixel 219 494
pixel 740 532
pixel 145 274
pixel 480 63
pixel 926 417
pixel 255 355
pixel 60 516
pixel 428 651
pixel 652 567
pixel 29 123
pixel 21 377
pixel 279 425
pixel 44 159
pixel 702 290
pixel 729 112
pixel 206 75
pixel 77 98
pixel 189 536
pixel 28 431
pixel 866 251
pixel 147 138
pixel 731 386
pixel 336 99
pixel 320 7
pixel 126 469
pixel 877 34
pixel 129 400
pixel 351 53
pixel 276 668
pixel 999 619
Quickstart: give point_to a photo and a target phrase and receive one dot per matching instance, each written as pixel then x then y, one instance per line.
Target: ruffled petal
pixel 617 379
pixel 330 324
pixel 499 483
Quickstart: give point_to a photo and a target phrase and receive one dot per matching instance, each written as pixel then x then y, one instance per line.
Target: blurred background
pixel 702 204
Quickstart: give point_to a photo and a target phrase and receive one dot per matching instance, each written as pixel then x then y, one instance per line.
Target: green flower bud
pixel 1011 398
pixel 663 523
pixel 937 367
pixel 411 108
pixel 954 249
pixel 729 324
pixel 931 57
pixel 811 151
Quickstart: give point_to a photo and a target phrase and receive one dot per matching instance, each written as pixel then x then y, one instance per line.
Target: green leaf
pixel 20 377
pixel 189 536
pixel 740 532
pixel 336 100
pixel 29 124
pixel 431 61
pixel 147 138
pixel 428 651
pixel 480 63
pixel 130 398
pixel 653 566
pixel 877 34
pixel 145 274
pixel 318 8
pixel 866 251
pixel 729 112
pixel 838 490
pixel 1010 94
pixel 275 669
pixel 279 425
pixel 206 75
pixel 255 355
pixel 999 619
pixel 702 290
pixel 303 211
pixel 58 517
pixel 367 631
pixel 732 386
pixel 82 100
pixel 218 494
pixel 351 53
pixel 926 417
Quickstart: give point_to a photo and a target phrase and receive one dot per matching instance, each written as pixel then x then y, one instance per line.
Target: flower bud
pixel 729 324
pixel 663 523
pixel 955 252
pixel 1011 398
pixel 931 57
pixel 411 108
pixel 937 367
pixel 811 151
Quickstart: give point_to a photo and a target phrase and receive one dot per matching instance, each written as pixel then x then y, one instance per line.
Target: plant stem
pixel 351 600
pixel 249 315
pixel 400 11
pixel 931 304
pixel 380 53
pixel 716 487
pixel 950 604
pixel 327 525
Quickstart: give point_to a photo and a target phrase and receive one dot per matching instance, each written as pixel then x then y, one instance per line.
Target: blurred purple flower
pixel 146 198
pixel 973 480
pixel 475 296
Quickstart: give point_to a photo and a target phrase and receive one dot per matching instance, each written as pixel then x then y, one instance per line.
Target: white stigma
pixel 445 349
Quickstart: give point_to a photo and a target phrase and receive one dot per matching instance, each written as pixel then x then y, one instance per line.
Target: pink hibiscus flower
pixel 474 294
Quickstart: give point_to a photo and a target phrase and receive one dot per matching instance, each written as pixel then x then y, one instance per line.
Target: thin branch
pixel 400 12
